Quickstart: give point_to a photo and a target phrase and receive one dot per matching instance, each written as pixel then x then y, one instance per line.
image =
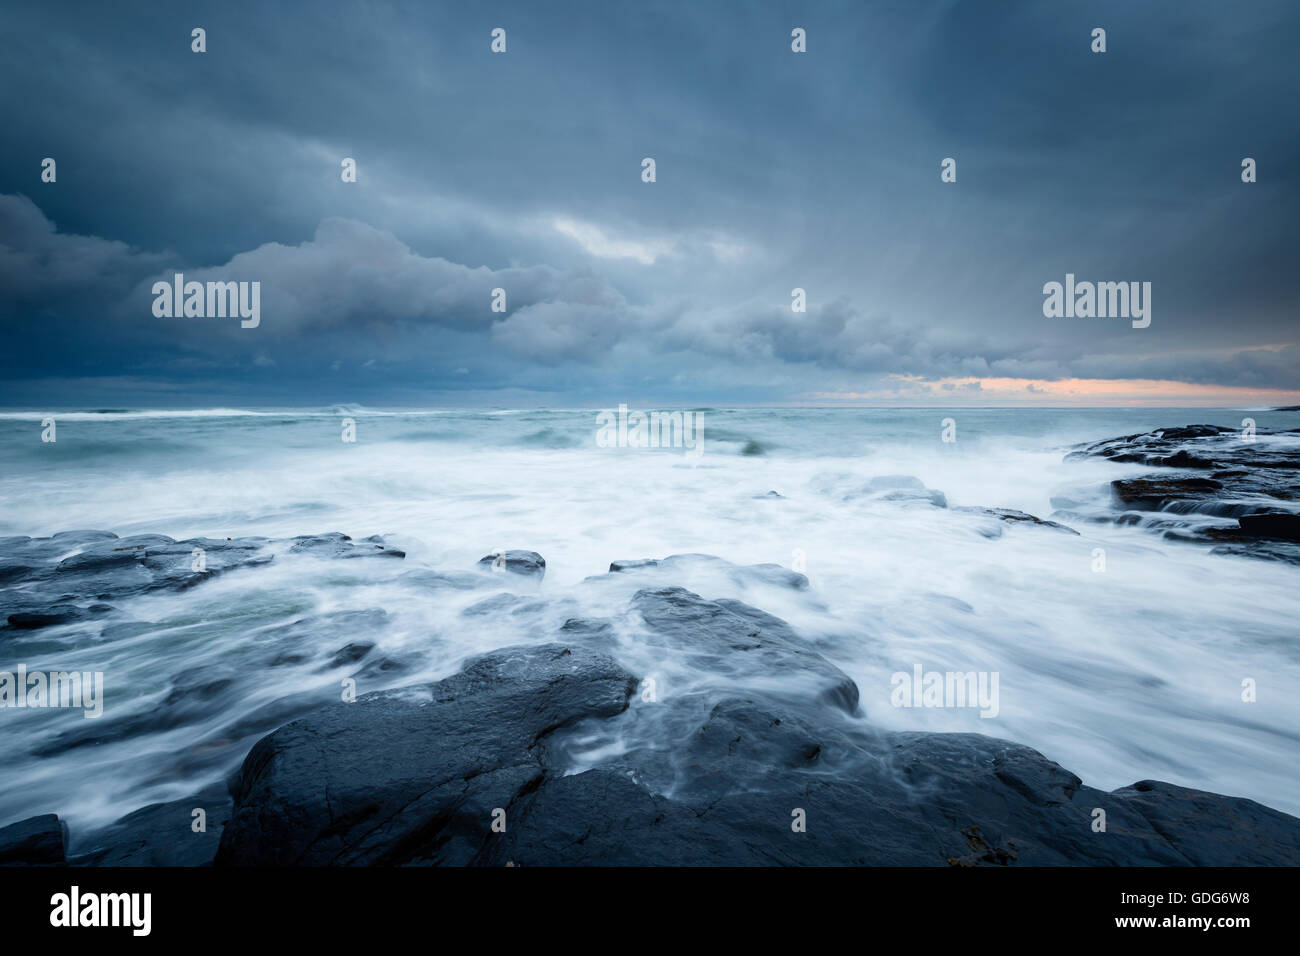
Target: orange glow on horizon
pixel 1071 391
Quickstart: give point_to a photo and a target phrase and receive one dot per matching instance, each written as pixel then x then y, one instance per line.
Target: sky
pixel 774 170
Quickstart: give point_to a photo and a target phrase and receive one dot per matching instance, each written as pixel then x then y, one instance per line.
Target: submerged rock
pixel 68 577
pixel 1011 516
pixel 684 566
pixel 554 741
pixel 730 638
pixel 339 545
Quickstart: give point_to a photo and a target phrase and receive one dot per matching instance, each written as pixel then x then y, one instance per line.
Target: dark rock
pixel 594 633
pixel 1208 829
pixel 339 545
pixel 350 654
pixel 616 566
pixel 1153 494
pixel 413 777
pixel 1271 525
pixel 37 841
pixel 731 638
pixel 396 778
pixel 1011 516
pixel 161 834
pixel 43 582
pixel 1246 478
pixel 45 586
pixel 527 564
pixel 1261 549
pixel 1182 459
pixel 23 621
pixel 897 799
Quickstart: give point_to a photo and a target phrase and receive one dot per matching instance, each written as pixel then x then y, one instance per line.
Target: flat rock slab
pixel 414 777
pixel 75 575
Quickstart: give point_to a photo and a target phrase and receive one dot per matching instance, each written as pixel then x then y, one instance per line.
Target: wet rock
pixel 414 776
pixel 730 638
pixel 528 564
pixel 45 585
pixel 398 778
pixel 912 799
pixel 1154 494
pixel 773 574
pixel 339 545
pixel 616 566
pixel 350 654
pixel 905 489
pixel 687 566
pixel 1243 477
pixel 1208 829
pixel 1271 525
pixel 442 580
pixel 593 633
pixel 502 603
pixel 37 841
pixel 26 621
pixel 1260 549
pixel 161 834
pixel 307 637
pixel 1011 516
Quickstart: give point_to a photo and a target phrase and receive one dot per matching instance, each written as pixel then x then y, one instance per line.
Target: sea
pixel 1125 668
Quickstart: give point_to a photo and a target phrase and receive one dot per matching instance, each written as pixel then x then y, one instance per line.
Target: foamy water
pixel 1135 672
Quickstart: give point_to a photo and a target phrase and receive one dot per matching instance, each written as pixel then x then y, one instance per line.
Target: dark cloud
pixel 522 172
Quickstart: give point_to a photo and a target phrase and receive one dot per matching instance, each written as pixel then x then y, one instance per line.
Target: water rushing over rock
pixel 734 591
pixel 1205 473
pixel 561 751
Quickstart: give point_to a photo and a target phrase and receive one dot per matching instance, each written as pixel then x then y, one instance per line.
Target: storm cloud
pixel 522 172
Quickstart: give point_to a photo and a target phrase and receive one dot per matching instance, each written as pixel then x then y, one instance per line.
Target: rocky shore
pixel 1238 493
pixel 558 751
